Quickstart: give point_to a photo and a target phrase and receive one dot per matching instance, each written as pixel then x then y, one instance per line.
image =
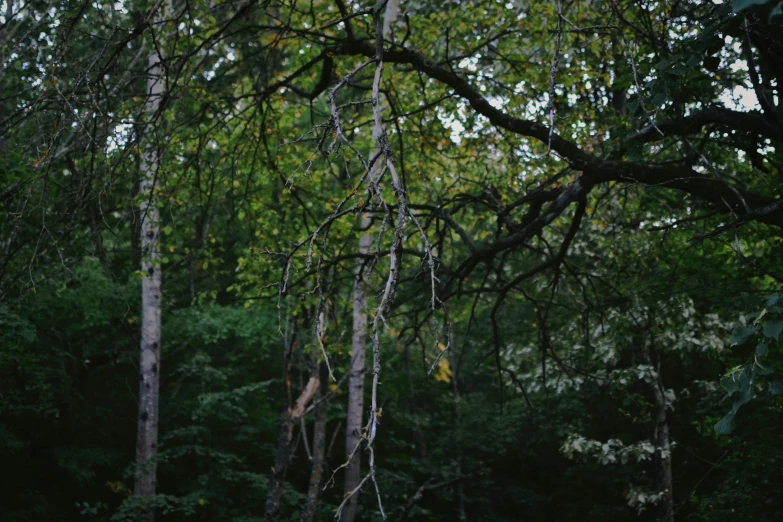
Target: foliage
pixel 593 221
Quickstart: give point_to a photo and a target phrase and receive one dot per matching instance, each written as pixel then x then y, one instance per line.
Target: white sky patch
pixel 119 137
pixel 740 98
pixel 739 65
pixel 497 102
pixel 471 64
pixel 453 124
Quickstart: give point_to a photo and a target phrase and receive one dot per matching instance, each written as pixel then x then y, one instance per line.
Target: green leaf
pixel 773 299
pixel 745 396
pixel 660 99
pixel 729 384
pixel 763 370
pixel 741 5
pixel 773 329
pixel 726 425
pixel 762 349
pixel 741 334
pixel 745 378
pixel 635 154
pixel 776 388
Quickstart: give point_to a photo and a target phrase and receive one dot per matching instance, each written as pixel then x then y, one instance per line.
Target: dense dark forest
pixel 426 260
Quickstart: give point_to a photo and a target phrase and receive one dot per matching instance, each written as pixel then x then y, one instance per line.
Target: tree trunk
pixel 319 447
pixel 619 94
pixel 149 365
pixel 353 435
pixel 418 436
pixel 9 11
pixel 272 508
pixel 662 459
pixel 457 420
pixel 285 445
pixel 282 457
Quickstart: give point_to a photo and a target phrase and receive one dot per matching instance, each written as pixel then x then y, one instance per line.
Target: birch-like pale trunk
pixel 389 17
pixel 149 363
pixel 662 459
pixel 353 435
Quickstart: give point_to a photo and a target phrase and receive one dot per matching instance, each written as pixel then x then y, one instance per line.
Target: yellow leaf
pixel 444 371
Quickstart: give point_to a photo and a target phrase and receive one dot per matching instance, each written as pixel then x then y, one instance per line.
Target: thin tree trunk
pixel 149 365
pixel 9 11
pixel 418 436
pixel 390 16
pixel 618 92
pixel 271 511
pixel 457 420
pixel 319 447
pixel 662 459
pixel 282 457
pixel 353 431
pixel 285 445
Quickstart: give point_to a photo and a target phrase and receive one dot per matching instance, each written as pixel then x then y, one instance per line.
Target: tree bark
pixel 149 364
pixel 9 11
pixel 285 445
pixel 457 420
pixel 662 459
pixel 418 436
pixel 618 92
pixel 353 435
pixel 272 508
pixel 319 447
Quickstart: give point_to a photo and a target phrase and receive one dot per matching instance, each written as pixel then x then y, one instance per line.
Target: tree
pixel 149 362
pixel 571 205
pixel 355 414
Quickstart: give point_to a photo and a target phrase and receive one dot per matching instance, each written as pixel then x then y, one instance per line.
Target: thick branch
pixel 753 122
pixel 462 88
pixel 716 191
pixel 719 192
